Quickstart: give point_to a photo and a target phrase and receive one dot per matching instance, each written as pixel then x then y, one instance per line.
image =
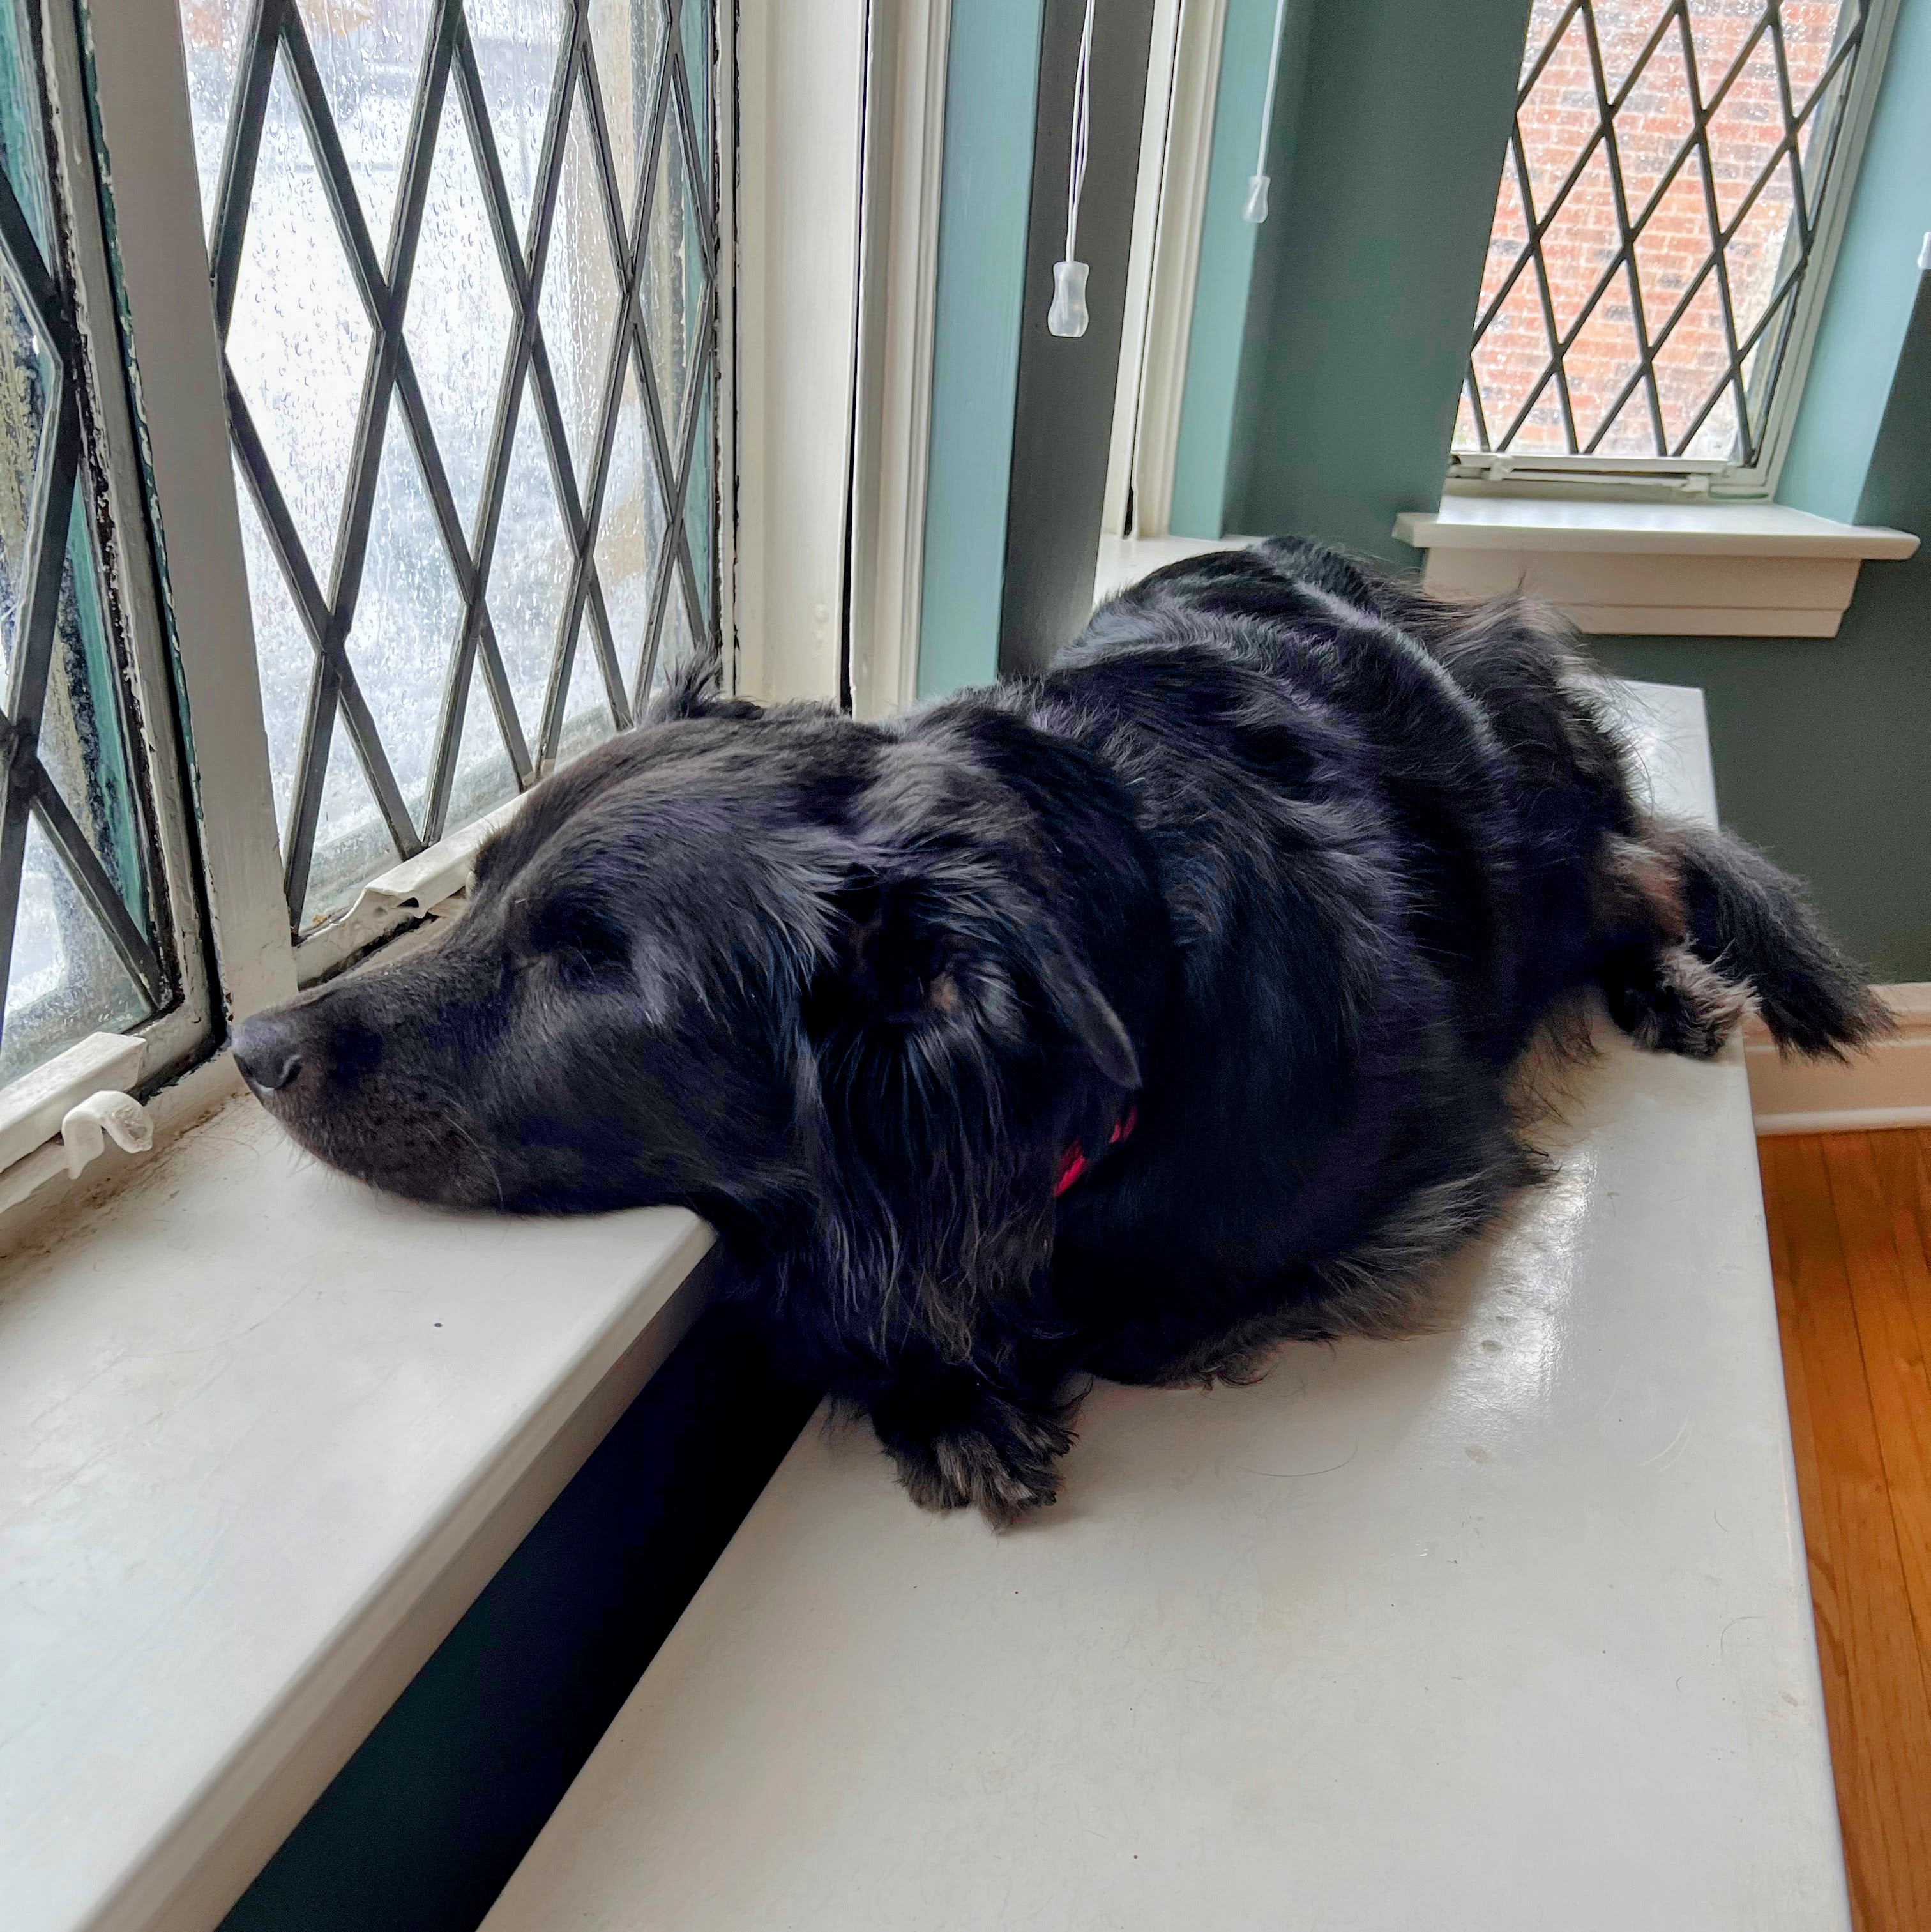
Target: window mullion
pixel 141 99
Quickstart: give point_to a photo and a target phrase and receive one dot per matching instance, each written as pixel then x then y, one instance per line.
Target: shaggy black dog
pixel 1125 1020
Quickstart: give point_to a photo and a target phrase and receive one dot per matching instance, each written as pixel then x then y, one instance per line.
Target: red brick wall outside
pixel 1556 122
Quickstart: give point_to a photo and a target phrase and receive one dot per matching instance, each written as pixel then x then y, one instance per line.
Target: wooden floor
pixel 1850 1232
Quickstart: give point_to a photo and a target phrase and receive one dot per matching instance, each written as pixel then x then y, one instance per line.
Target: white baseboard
pixel 1888 1087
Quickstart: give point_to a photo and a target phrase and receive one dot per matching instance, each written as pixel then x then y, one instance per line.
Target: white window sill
pixel 263 1436
pixel 1700 569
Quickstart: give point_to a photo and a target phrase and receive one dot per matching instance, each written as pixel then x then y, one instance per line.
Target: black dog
pixel 1125 1020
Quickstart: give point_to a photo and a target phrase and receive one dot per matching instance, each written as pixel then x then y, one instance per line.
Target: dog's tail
pixel 1751 924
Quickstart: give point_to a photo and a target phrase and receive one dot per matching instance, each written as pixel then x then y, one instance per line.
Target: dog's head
pixel 742 962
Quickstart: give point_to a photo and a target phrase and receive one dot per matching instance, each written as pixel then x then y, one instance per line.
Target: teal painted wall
pixel 991 78
pixel 1872 287
pixel 1204 451
pixel 1366 273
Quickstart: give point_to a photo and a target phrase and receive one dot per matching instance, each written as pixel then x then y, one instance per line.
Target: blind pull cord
pixel 1067 316
pixel 1256 209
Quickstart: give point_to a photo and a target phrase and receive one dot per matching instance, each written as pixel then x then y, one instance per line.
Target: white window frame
pixel 1516 474
pixel 788 93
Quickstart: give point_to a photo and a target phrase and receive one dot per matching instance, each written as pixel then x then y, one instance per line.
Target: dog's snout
pixel 268 1054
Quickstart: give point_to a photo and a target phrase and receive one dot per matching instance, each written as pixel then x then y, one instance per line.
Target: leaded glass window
pixel 1664 201
pixel 463 255
pixel 85 944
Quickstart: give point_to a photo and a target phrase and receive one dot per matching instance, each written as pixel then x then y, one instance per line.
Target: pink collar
pixel 1073 1162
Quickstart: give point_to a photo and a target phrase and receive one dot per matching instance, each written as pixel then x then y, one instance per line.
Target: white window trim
pixel 898 273
pixel 1512 472
pixel 801 101
pixel 1683 569
pixel 407 1408
pixel 1177 150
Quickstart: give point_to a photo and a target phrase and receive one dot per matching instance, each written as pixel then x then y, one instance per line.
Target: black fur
pixel 1285 859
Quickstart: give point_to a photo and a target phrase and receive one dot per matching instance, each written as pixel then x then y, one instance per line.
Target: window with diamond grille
pixel 1666 185
pixel 84 945
pixel 463 255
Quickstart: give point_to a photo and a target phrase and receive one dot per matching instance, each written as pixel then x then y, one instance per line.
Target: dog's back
pixel 1464 850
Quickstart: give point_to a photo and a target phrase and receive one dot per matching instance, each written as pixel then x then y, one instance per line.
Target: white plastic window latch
pixel 87 1127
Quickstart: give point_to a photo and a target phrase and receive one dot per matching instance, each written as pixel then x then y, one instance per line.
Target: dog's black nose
pixel 266 1053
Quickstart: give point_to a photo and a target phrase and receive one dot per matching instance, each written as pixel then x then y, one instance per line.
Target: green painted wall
pixel 1365 274
pixel 991 79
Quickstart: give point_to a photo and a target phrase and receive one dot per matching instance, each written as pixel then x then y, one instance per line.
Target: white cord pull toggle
pixel 86 1127
pixel 1067 315
pixel 1256 208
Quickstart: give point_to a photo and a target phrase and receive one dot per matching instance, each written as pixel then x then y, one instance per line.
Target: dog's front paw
pixel 1004 1462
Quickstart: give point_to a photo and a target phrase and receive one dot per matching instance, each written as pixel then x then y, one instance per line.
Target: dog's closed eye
pixel 583 941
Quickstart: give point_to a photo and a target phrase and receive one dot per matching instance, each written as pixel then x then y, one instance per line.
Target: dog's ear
pixel 695 689
pixel 907 954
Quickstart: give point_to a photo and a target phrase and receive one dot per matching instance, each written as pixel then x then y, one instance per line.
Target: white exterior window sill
pixel 1701 569
pixel 264 1435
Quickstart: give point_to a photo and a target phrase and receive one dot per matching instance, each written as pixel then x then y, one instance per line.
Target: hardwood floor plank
pixel 1880 1716
pixel 1875 1189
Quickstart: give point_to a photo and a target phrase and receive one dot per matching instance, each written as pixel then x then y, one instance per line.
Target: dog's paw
pixel 1690 1008
pixel 1004 1462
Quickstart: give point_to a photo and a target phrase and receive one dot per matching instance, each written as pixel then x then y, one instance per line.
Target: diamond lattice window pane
pixel 214 35
pixel 694 23
pixel 351 842
pixel 632 536
pixel 22 157
pixel 1721 118
pixel 587 717
pixel 457 325
pixel 484 776
pixel 65 979
pixel 29 377
pixel 284 659
pixel 530 582
pixel 299 341
pixel 407 620
pixel 628 36
pixel 368 52
pixel 673 279
pixel 580 295
pixel 518 44
pixel 83 746
pixel 459 469
pixel 697 496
